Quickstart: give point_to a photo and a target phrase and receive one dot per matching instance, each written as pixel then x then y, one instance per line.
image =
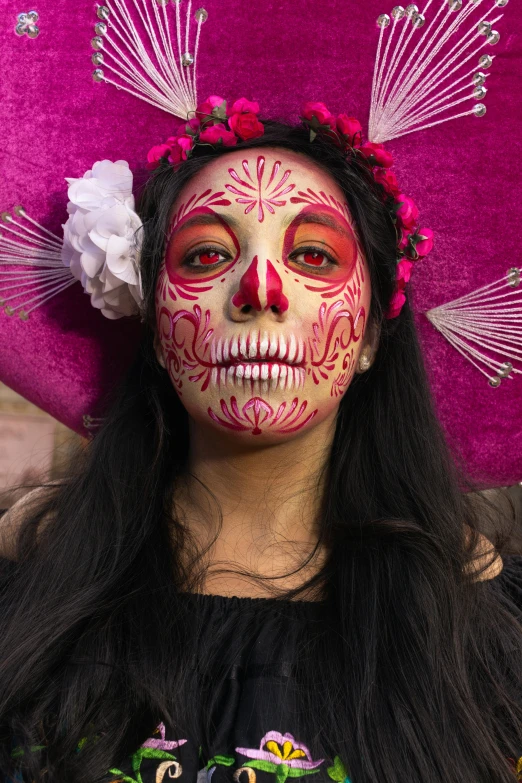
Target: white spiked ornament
pixel 38 254
pixel 145 47
pixel 485 327
pixel 426 69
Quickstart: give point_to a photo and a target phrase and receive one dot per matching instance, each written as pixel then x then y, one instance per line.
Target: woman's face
pixel 263 295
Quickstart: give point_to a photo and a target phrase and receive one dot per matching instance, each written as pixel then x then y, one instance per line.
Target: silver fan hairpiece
pixel 426 69
pixel 485 326
pixel 162 74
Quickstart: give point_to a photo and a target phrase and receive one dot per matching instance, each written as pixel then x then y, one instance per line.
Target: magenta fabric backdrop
pixel 465 177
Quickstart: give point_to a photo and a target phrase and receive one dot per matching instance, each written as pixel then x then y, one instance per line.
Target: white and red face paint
pixel 263 295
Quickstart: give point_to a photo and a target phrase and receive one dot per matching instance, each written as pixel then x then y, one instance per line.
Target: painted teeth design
pixel 259 375
pixel 258 345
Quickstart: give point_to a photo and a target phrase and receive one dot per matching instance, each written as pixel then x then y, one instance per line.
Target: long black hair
pixel 420 677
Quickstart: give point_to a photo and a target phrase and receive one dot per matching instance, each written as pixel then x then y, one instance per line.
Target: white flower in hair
pixel 102 238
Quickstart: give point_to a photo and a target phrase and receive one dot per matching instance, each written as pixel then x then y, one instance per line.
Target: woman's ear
pixel 369 346
pixel 159 350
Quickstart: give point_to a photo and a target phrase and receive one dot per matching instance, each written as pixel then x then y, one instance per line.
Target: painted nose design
pixel 249 289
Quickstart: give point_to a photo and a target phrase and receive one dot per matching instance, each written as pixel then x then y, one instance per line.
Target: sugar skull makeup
pixel 263 295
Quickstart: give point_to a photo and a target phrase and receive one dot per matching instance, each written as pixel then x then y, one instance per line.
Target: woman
pixel 263 569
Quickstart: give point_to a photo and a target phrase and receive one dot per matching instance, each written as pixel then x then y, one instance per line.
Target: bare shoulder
pixel 12 520
pixel 487 563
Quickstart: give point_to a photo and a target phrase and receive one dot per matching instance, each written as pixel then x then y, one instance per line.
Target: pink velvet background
pixel 465 177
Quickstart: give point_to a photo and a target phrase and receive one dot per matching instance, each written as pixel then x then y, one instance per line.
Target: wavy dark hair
pixel 420 678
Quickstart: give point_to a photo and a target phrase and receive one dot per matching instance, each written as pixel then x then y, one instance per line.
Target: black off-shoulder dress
pixel 254 705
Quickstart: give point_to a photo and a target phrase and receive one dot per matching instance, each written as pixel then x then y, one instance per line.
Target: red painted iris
pixel 314 259
pixel 210 257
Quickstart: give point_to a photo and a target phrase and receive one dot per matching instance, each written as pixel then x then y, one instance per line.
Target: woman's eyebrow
pixel 319 218
pixel 206 219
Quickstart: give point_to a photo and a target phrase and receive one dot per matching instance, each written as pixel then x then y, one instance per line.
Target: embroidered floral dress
pixel 254 738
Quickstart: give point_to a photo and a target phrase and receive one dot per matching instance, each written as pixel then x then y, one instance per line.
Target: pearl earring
pixel 365 362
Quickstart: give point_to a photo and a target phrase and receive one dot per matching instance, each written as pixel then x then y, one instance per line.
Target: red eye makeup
pixel 320 241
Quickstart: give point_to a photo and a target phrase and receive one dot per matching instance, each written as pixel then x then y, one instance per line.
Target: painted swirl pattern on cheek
pixel 258 416
pixel 336 331
pixel 182 354
pixel 258 193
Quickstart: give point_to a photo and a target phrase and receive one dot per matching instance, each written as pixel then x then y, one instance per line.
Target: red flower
pixel 388 179
pixel 242 106
pixel 180 146
pixel 318 110
pixel 246 126
pixel 204 110
pixel 155 154
pixel 396 303
pixel 407 212
pixel 376 154
pixel 403 273
pixel 350 129
pixel 215 134
pixel 425 243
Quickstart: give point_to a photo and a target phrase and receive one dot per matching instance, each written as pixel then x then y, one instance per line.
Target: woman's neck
pixel 270 499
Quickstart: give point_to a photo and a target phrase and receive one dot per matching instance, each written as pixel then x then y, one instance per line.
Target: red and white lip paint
pixel 261 300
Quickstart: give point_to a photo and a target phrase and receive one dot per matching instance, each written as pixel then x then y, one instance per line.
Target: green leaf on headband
pixel 220 112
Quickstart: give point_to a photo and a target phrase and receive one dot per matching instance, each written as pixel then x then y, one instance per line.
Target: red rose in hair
pixel 180 146
pixel 320 112
pixel 425 244
pixel 246 126
pixel 407 212
pixel 155 154
pixel 350 128
pixel 377 154
pixel 388 179
pixel 218 133
pixel 204 110
pixel 242 106
pixel 396 303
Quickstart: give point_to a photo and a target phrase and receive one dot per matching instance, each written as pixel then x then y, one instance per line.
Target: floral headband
pixel 214 124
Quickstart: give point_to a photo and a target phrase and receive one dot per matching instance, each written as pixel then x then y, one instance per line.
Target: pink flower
pixel 180 146
pixel 388 179
pixel 246 126
pixel 242 106
pixel 216 134
pixel 318 110
pixel 426 242
pixel 204 110
pixel 276 749
pixel 155 154
pixel 403 273
pixel 350 128
pixel 377 154
pixel 396 303
pixel 407 212
pixel 162 744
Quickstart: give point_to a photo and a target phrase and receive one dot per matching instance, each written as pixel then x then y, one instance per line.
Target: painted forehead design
pixel 266 192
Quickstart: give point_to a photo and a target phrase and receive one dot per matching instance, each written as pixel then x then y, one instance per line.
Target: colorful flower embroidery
pixel 282 755
pixel 153 748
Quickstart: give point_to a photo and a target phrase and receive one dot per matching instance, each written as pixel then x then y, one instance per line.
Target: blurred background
pixel 34 447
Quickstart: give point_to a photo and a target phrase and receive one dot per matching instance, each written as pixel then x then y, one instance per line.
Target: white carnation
pixel 102 238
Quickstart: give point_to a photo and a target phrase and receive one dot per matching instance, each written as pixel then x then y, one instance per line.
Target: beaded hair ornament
pixel 429 68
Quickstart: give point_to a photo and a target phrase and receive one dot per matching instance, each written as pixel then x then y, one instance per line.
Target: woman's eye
pixel 315 258
pixel 205 258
